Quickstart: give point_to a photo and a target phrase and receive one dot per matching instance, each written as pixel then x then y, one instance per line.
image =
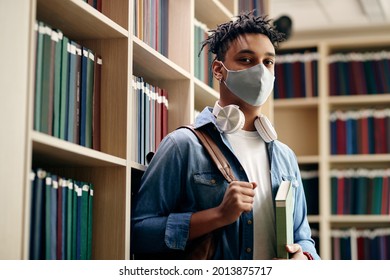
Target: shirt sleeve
pixel 156 225
pixel 302 231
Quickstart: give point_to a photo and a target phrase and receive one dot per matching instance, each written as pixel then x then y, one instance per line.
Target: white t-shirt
pixel 251 151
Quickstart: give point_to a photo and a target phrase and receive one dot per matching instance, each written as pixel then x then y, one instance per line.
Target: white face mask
pixel 253 85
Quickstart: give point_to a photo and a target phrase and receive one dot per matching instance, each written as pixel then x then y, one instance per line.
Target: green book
pixel 284 202
pixel 38 77
pixel 57 83
pixel 74 220
pixel 48 188
pixel 84 221
pixel 377 195
pixel 47 80
pixel 90 84
pixel 90 219
pixel 64 87
pixel 69 221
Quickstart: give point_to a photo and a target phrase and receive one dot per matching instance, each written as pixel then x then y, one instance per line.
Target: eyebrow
pixel 252 52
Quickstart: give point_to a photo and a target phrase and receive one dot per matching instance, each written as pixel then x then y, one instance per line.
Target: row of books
pixel 310 186
pixel 97 4
pixel 150 23
pixel 203 60
pixel 360 191
pixel 61 217
pixel 361 244
pixel 364 131
pixel 150 116
pixel 359 73
pixel 67 88
pixel 296 75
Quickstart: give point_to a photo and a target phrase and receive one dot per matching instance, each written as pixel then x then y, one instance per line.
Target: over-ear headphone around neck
pixel 231 119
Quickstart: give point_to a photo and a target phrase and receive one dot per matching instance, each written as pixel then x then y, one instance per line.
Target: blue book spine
pixel 37 214
pixel 53 217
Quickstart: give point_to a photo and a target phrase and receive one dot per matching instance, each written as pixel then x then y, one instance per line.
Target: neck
pixel 250 112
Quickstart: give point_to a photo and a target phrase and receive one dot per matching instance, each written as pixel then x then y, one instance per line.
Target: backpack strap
pixel 214 152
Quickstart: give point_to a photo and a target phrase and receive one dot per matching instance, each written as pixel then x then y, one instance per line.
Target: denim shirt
pixel 181 179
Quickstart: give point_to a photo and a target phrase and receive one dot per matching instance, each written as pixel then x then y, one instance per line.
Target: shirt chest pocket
pixel 209 189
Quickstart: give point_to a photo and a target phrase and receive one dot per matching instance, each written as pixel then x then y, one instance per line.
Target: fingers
pixel 293 248
pixel 238 198
pixel 296 251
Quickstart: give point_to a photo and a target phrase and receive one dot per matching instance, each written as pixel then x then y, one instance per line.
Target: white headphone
pixel 231 119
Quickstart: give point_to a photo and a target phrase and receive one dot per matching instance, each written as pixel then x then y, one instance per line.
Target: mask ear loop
pixel 265 128
pixel 229 119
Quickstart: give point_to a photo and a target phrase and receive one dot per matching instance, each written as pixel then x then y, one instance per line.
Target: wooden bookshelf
pixel 111 170
pixel 305 127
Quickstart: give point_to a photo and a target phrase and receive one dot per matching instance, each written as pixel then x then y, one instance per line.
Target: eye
pixel 245 60
pixel 269 62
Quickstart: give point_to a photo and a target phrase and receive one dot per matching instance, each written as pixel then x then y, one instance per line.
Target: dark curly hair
pixel 220 38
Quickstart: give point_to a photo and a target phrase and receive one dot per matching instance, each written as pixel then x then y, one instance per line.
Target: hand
pixel 296 251
pixel 238 198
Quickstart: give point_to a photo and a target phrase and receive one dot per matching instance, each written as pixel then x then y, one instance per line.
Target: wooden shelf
pixel 204 95
pixel 212 12
pixel 377 158
pixel 296 103
pixel 160 67
pixel 360 219
pixel 362 100
pixel 81 22
pixel 54 151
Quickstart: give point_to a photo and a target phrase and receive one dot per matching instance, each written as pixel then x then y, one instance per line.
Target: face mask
pixel 253 85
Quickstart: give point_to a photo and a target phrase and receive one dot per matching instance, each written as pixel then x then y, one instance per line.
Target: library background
pixel 89 88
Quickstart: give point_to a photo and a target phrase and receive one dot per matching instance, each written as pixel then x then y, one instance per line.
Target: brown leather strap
pixel 214 151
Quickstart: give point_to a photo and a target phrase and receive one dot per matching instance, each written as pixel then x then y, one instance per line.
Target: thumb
pixel 254 185
pixel 293 248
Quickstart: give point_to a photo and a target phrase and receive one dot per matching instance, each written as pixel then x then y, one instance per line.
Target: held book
pixel 284 202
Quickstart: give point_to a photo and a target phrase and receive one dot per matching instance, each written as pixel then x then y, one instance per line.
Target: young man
pixel 184 197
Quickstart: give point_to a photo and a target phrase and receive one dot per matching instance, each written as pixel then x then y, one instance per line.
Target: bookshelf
pixel 111 169
pixel 304 124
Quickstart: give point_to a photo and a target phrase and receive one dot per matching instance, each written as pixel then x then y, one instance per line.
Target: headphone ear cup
pixel 265 129
pixel 230 119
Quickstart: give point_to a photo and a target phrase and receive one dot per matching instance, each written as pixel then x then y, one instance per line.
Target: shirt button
pixel 249 222
pixel 248 250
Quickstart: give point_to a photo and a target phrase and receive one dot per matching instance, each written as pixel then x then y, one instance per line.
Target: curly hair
pixel 220 38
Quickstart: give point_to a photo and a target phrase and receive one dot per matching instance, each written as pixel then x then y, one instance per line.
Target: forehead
pixel 252 41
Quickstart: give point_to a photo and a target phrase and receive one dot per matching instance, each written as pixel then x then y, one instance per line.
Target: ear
pixel 217 70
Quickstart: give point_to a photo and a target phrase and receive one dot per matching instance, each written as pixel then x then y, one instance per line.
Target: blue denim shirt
pixel 181 179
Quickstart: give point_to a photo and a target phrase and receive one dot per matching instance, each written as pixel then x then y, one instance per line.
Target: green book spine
pixel 74 220
pixel 84 221
pixel 53 216
pixel 69 220
pixel 284 218
pixel 48 187
pixel 377 195
pixel 38 77
pixel 90 83
pixel 57 84
pixel 37 216
pixel 64 87
pixel 47 82
pixel 90 220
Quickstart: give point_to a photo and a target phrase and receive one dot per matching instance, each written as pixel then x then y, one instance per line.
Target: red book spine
pixel 341 133
pixel 364 135
pixel 279 79
pixel 340 196
pixel 385 195
pixel 380 134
